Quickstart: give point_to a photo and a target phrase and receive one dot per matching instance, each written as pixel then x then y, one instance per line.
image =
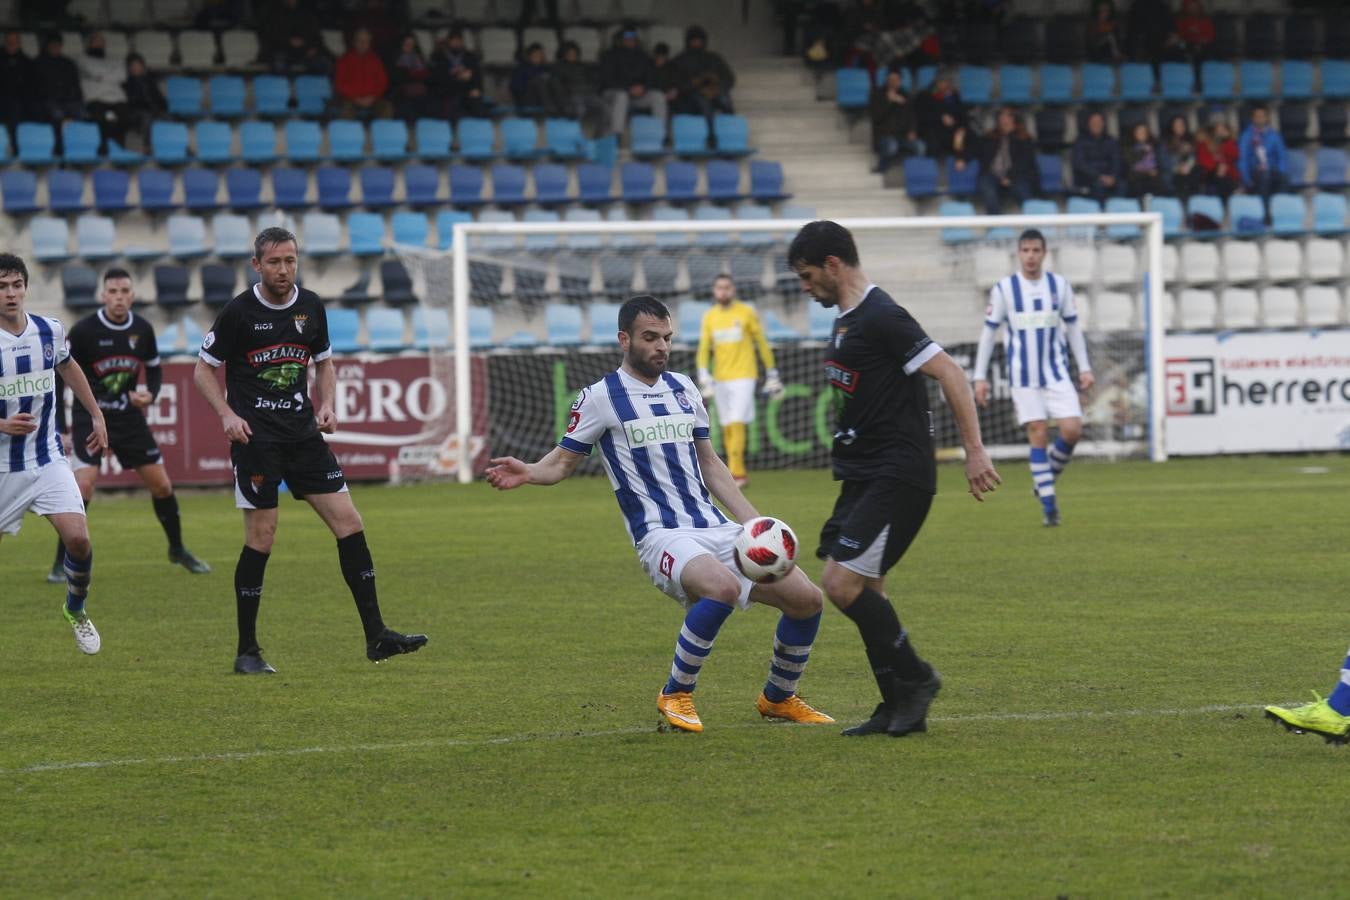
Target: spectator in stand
pixel 20 90
pixel 361 81
pixel 101 83
pixel 1008 163
pixel 865 24
pixel 1216 156
pixel 532 83
pixel 410 75
pixel 60 81
pixel 913 41
pixel 290 37
pixel 705 79
pixel 942 117
pixel 528 14
pixel 667 76
pixel 1149 31
pixel 628 80
pixel 1143 161
pixel 894 125
pixel 1178 154
pixel 217 15
pixel 457 76
pixel 1095 159
pixel 1195 28
pixel 1263 161
pixel 1104 34
pixel 576 85
pixel 385 26
pixel 145 101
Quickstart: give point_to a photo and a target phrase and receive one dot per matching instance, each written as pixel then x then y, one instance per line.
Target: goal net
pixel 518 316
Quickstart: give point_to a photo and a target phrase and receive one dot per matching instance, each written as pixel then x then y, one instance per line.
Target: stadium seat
pixel 421 185
pixel 638 182
pixel 963 182
pixel 976 84
pixel 290 189
pixel 646 137
pixel 466 186
pixel 1064 39
pixel 1279 307
pixel 431 327
pixel 1241 262
pixel 1118 264
pixel 258 143
pixel 1122 205
pixel 820 322
pixel 1335 79
pixel 187 237
pixel 689 136
pixel 1136 83
pixel 344 326
pixel 433 137
pixel 358 292
pixel 232 235
pixel 1257 79
pixel 183 96
pixel 410 228
pixel 550 184
pixel 271 95
pixel 169 143
pixel 1199 262
pixel 1113 311
pixel 963 234
pixel 304 141
pixel 377 186
pixel 65 191
pixel 851 88
pixel 480 327
pixel 1239 307
pixel 228 94
pixel 1076 262
pixel 389 140
pixel 563 324
pixel 243 187
pixel 1287 214
pixel 1296 79
pixel 398 287
pixel 724 181
pixel 1331 122
pixel 200 187
pixel 51 239
pixel 508 185
pixel 1297 169
pixel 1196 309
pixel 581 243
pixel 1325 260
pixel 365 234
pixel 335 187
pixel 520 139
pixel 79 286
pixel 1281 260
pixel 346 141
pixel 1329 214
pixel 1057 83
pixel 1321 305
pixel 156 189
pixel 681 182
pixel 921 176
pixel 1218 80
pixel 214 142
pixel 476 137
pixel 312 93
pixel 564 139
pixel 766 181
pixel 1247 215
pixel 94 238
pixel 196 48
pixel 1099 83
pixel 1262 36
pixel 1294 120
pixel 1331 166
pixel 79 143
pixel 36 144
pixel 711 240
pixel 322 234
pixel 1209 207
pixel 1014 85
pixel 171 286
pixel 384 329
pixel 110 190
pixel 732 134
pixel 594 183
pixel 1051 168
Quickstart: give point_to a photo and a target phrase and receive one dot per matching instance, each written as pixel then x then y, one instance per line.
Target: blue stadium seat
pixel 421 185
pixel 322 234
pixel 271 95
pixel 1122 205
pixel 508 185
pixel 1329 214
pixel 976 84
pixel 1099 83
pixel 1136 83
pixel 646 137
pixel 37 143
pixel 671 239
pixel 377 186
pixel 689 135
pixel 171 286
pixel 5 152
pixel 200 187
pixel 681 182
pixel 711 241
pixel 1082 205
pixel 1335 78
pixel 192 335
pixel 94 238
pixel 184 96
pixel 1217 79
pixel 466 186
pixel 777 331
pixel 431 327
pixel 312 93
pixel 156 188
pixel 365 234
pixel 445 225
pixel 963 182
pixel 169 143
pixel 1331 122
pixel 411 228
pixel 187 237
pixel 1014 85
pixel 1297 167
pixel 218 282
pixel 242 186
pixel 1286 214
pixel 344 326
pixel 1296 79
pixel 1331 166
pixel 480 327
pixel 819 322
pixel 760 239
pixel 1051 168
pixel 51 239
pixel 1057 84
pixel 121 156
pixel 593 183
pixel 1174 220
pixel 520 139
pixel 550 184
pixel 583 243
pixel 1257 78
pixel 389 140
pixel 851 88
pixel 1211 207
pixel 258 143
pixel 732 134
pixel 304 141
pixel 960 235
pixel 563 323
pixel 539 244
pixel 384 329
pixel 346 141
pixel 65 191
pixel 637 182
pixel 476 137
pixel 233 236
pixel 110 190
pixel 921 176
pixel 1040 208
pixel 924 77
pixel 79 143
pixel 433 137
pixel 335 187
pixel 1177 80
pixel 214 141
pixel 397 282
pixel 766 181
pixel 564 139
pixel 290 188
pixel 724 181
pixel 1247 213
pixel 689 318
pixel 79 285
pixel 228 94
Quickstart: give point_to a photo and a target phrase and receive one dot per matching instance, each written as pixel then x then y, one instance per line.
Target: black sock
pixel 166 510
pixel 359 570
pixel 248 582
pixel 888 647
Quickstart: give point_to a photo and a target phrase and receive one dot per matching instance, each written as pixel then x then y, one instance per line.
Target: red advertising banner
pixel 394 414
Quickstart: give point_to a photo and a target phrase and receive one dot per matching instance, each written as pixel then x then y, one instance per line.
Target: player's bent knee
pixel 841 585
pixel 78 546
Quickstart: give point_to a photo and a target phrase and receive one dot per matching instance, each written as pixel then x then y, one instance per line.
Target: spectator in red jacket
pixel 1216 153
pixel 361 80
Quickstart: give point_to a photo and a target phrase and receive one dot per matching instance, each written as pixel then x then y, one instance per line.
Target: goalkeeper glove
pixel 705 384
pixel 773 385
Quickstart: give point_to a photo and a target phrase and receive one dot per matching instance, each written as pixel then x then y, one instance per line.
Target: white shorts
pixel 664 553
pixel 1057 400
pixel 735 400
pixel 46 490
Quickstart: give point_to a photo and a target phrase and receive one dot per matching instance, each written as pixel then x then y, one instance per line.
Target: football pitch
pixel 1099 732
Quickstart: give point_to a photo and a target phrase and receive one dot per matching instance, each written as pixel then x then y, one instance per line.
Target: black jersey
pixel 266 351
pixel 883 426
pixel 111 356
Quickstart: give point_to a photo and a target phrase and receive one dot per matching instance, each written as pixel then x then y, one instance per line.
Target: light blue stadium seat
pixel 646 137
pixel 411 228
pixel 520 139
pixel 976 84
pixel 689 319
pixel 689 135
pixel 710 240
pixel 184 96
pixel 365 234
pixel 584 242
pixel 192 336
pixel 51 239
pixel 820 321
pixel 433 137
pixel 95 237
pixel 258 143
pixel 187 237
pixel 79 140
pixel 1336 78
pixel 1015 85
pixel 732 134
pixel 228 94
pixel 1136 83
pixel 962 235
pixel 563 322
pixel 384 329
pixel 670 239
pixel 1217 79
pixel 271 95
pixel 389 140
pixel 346 141
pixel 1057 84
pixel 564 139
pixel 1329 214
pixel 851 88
pixel 233 236
pixel 1247 214
pixel 304 141
pixel 1174 219
pixel 1297 169
pixel 604 321
pixel 322 234
pixel 37 143
pixel 431 327
pixel 214 141
pixel 480 327
pixel 1211 207
pixel 1331 168
pixel 1099 83
pixel 1122 205
pixel 1296 79
pixel 476 137
pixel 541 243
pixel 445 224
pixel 1257 78
pixel 1287 214
pixel 169 143
pixel 344 326
pixel 312 93
pixel 776 330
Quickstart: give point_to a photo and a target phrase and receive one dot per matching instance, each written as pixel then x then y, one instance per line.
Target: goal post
pixel 940 268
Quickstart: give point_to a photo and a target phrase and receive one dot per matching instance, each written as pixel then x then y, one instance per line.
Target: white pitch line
pixel 245 756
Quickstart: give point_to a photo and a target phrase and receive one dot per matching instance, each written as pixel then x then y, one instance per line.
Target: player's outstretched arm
pixel 717 478
pixel 980 474
pixel 73 376
pixel 507 472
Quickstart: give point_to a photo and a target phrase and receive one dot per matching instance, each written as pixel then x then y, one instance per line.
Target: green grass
pixel 1099 733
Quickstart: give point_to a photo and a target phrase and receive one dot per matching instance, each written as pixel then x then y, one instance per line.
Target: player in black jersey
pixel 883 453
pixel 112 347
pixel 266 338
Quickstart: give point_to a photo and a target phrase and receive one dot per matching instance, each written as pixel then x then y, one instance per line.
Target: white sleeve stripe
pixel 922 357
pixel 320 357
pixel 151 363
pixel 209 359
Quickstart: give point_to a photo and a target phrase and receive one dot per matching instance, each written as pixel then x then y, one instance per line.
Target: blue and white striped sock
pixel 791 648
pixel 1061 454
pixel 1042 477
pixel 1340 695
pixel 77 581
pixel 692 647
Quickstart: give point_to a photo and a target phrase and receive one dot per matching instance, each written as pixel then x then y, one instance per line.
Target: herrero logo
pixel 659 430
pixel 28 384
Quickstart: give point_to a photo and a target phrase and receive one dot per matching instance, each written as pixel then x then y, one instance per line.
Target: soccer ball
pixel 766 550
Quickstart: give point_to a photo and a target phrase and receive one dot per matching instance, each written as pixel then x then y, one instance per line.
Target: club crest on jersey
pixel 300 322
pixel 685 403
pixel 132 339
pixel 48 352
pixel 581 398
pixel 839 337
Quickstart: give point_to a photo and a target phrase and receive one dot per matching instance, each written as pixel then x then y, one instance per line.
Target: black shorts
pixel 307 466
pixel 129 438
pixel 873 524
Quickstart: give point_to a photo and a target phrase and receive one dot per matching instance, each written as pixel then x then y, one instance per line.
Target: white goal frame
pixel 1150 222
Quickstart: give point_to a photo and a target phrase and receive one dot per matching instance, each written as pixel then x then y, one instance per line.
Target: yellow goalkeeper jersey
pixel 730 335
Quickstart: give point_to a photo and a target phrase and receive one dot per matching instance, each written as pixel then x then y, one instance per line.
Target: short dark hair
pixel 115 272
pixel 11 263
pixel 723 275
pixel 636 306
pixel 1031 234
pixel 820 239
pixel 270 237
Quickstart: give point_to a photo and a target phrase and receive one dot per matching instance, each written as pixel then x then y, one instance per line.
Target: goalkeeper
pixel 730 335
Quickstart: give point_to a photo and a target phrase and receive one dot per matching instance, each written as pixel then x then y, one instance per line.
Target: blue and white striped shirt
pixel 1040 315
pixel 28 364
pixel 646 435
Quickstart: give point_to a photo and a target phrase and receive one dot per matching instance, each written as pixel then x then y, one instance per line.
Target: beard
pixel 648 368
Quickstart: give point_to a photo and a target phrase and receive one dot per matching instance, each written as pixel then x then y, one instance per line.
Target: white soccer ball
pixel 766 550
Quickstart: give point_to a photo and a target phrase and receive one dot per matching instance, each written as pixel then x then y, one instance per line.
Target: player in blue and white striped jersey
pixel 1039 311
pixel 652 430
pixel 34 472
